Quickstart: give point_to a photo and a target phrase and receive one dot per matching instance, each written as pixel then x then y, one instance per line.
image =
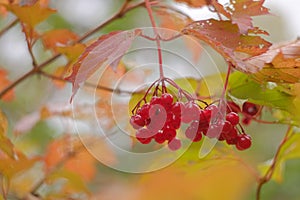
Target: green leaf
pixel 244 87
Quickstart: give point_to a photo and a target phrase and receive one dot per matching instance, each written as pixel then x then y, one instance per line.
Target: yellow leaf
pixel 71 52
pixel 3 123
pixel 31 15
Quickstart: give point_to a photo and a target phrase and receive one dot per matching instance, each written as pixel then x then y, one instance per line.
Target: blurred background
pixel 81 16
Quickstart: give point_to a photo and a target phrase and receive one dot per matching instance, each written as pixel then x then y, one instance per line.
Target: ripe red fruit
pixel 250 108
pixel 144 136
pixel 137 121
pixel 155 100
pixel 233 118
pixel 170 133
pixel 214 131
pixel 243 142
pixel 226 127
pixel 191 112
pixel 177 108
pixel 166 99
pixel 232 107
pixel 174 144
pixel 160 138
pixel 144 111
pixel 192 133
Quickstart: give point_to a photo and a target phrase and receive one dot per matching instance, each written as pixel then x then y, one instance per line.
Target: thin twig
pixel 87 84
pixel 9 26
pixel 271 169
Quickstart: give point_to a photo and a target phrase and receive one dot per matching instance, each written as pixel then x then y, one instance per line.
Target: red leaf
pixel 243 10
pixel 225 38
pixel 107 50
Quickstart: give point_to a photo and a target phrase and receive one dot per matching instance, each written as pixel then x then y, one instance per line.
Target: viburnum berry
pixel 144 136
pixel 166 99
pixel 243 142
pixel 160 118
pixel 174 144
pixel 191 112
pixel 233 118
pixel 137 121
pixel 250 108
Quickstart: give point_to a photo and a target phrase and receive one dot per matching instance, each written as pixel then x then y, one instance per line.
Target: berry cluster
pixel 160 118
pixel 223 130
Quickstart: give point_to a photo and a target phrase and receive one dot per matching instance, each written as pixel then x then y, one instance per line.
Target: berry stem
pixel 226 82
pixel 157 38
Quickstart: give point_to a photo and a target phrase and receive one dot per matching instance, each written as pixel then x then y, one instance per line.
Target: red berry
pixel 166 99
pixel 205 116
pixel 233 107
pixel 174 144
pixel 226 127
pixel 192 134
pixel 214 131
pixel 232 134
pixel 243 142
pixel 177 108
pixel 155 100
pixel 143 135
pixel 160 138
pixel 137 121
pixel 233 118
pixel 250 108
pixel 191 112
pixel 144 111
pixel 169 133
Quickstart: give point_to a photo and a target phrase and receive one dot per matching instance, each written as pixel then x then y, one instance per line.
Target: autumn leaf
pixel 72 52
pixel 107 50
pixel 30 16
pixel 74 155
pixel 280 63
pixel 242 10
pixel 58 38
pixel 4 82
pixel 171 19
pixel 225 38
pixel 194 3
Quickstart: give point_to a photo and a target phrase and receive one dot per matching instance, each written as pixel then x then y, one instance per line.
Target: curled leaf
pixel 107 50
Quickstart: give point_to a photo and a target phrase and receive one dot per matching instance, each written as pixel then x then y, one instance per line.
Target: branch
pixel 271 169
pixel 87 84
pixel 125 8
pixel 9 26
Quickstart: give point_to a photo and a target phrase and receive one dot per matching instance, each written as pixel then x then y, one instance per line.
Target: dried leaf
pixel 4 82
pixel 242 11
pixel 107 50
pixel 171 19
pixel 5 144
pixel 225 38
pixel 71 52
pixel 279 64
pixel 58 38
